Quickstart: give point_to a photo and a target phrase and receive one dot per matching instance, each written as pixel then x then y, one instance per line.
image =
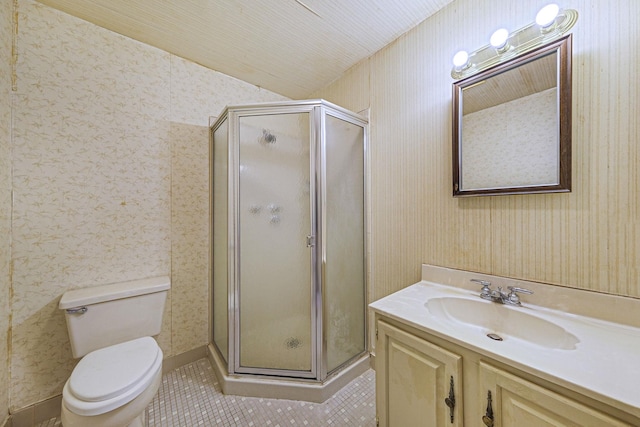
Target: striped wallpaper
pixel 589 238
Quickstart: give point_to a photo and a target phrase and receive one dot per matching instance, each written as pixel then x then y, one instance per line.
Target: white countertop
pixel 605 364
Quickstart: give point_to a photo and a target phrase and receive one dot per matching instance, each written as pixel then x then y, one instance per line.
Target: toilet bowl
pixel 111 328
pixel 112 387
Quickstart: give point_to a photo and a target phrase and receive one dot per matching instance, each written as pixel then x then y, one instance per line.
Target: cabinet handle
pixel 487 419
pixel 451 400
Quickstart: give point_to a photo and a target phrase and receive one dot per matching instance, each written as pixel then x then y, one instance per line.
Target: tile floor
pixel 190 396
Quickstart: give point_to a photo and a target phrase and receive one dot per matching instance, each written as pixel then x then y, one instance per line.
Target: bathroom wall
pixel 110 153
pixel 6 8
pixel 587 239
pixel 110 173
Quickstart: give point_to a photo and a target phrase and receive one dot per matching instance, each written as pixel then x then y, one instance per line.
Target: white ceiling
pixel 292 47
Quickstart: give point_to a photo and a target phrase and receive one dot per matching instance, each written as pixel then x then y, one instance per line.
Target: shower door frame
pixel 318 110
pixel 234 288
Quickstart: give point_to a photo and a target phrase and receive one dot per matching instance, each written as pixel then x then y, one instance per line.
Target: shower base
pixel 285 388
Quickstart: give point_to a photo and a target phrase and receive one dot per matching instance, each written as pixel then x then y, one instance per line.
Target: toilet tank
pixel 105 315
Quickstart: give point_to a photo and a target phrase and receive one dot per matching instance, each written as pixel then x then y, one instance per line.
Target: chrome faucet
pixel 498 295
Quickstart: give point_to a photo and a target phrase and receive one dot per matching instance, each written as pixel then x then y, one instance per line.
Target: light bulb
pixel 460 59
pixel 499 38
pixel 547 15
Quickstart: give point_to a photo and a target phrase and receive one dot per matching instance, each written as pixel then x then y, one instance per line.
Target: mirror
pixel 512 125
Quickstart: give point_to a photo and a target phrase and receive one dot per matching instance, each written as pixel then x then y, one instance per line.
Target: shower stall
pixel 288 193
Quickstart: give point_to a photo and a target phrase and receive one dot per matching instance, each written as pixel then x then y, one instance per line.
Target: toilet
pixel 111 328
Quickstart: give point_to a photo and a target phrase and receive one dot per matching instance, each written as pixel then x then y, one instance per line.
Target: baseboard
pixel 36 413
pixel 50 408
pixel 174 362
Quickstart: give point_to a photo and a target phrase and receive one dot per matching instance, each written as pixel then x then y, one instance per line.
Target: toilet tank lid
pixel 114 291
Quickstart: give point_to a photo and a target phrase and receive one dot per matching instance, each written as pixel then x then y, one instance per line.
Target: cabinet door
pixel 414 379
pixel 520 403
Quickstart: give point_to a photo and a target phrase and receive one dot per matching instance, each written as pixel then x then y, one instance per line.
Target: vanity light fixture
pixel 461 60
pixel 499 40
pixel 550 24
pixel 547 15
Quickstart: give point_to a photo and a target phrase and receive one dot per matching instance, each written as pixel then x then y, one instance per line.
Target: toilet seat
pixel 111 377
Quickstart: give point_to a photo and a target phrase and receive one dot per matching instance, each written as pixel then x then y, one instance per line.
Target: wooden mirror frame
pixel 563 48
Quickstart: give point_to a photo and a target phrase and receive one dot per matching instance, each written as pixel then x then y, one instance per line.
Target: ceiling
pixel 291 47
pixel 526 79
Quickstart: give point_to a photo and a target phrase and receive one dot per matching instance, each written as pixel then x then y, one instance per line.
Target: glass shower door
pixel 275 270
pixel 343 240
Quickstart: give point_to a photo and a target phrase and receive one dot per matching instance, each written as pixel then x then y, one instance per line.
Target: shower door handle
pixel 311 241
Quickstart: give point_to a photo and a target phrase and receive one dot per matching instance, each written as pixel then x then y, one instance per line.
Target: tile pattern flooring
pixel 190 396
pixel 53 422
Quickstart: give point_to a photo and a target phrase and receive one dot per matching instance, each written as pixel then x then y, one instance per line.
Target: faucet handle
pixel 485 286
pixel 521 290
pixel 513 296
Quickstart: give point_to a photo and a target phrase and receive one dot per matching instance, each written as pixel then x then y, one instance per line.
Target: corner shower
pixel 288 249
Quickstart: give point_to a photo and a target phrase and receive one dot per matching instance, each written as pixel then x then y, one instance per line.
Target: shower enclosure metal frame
pixel 318 111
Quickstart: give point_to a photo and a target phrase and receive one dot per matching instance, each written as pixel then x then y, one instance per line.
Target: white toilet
pixel 120 373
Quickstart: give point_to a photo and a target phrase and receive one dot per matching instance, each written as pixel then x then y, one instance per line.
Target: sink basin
pixel 500 322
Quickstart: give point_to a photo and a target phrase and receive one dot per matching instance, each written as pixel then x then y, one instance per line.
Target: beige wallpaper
pixel 6 7
pixel 587 239
pixel 110 183
pixel 189 236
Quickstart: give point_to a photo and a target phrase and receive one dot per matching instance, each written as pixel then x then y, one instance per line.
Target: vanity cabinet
pixel 517 402
pixel 423 380
pixel 416 381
